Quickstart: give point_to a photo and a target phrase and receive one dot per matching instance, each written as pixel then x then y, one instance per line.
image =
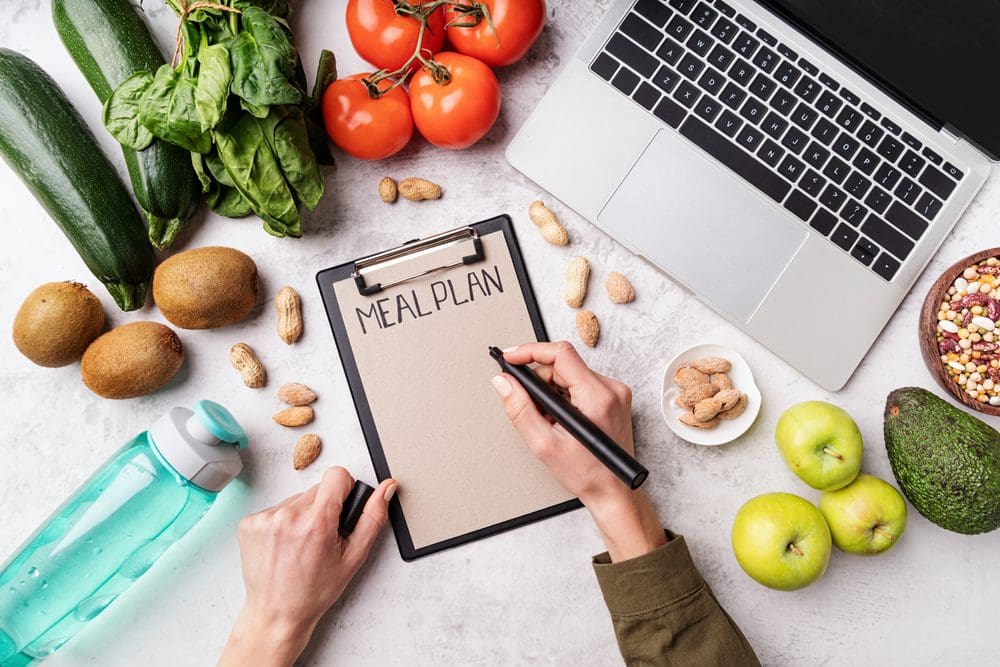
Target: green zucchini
pixel 48 145
pixel 110 42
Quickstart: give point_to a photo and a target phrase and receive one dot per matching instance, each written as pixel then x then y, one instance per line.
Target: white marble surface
pixel 524 597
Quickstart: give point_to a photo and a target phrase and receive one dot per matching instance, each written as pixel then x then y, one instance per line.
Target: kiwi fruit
pixel 57 322
pixel 206 288
pixel 132 360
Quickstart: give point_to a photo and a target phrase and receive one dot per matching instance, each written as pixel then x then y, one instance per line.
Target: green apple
pixel 820 443
pixel 782 541
pixel 865 517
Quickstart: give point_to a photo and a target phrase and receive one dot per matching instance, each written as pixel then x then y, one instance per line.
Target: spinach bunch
pixel 237 101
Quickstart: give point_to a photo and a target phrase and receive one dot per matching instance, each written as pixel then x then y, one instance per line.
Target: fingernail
pixel 510 349
pixel 390 492
pixel 502 386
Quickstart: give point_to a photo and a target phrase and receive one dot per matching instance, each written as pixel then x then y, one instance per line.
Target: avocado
pixel 946 461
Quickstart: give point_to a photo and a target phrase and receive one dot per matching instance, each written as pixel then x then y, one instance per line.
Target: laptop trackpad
pixel 703 225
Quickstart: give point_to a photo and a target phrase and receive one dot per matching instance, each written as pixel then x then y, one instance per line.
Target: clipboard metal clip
pixel 413 247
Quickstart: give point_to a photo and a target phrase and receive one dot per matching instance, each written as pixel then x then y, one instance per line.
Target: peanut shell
pixel 388 191
pixel 577 276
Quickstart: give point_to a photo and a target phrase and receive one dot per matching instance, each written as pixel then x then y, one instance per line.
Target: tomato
pixel 387 39
pixel 518 24
pixel 459 113
pixel 366 128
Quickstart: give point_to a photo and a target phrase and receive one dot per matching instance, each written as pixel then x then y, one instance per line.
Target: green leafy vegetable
pixel 167 109
pixel 121 112
pixel 212 89
pixel 263 61
pixel 290 141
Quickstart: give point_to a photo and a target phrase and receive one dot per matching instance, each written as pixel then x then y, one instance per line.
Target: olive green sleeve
pixel 665 614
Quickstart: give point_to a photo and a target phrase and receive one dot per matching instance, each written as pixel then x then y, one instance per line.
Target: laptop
pixel 793 163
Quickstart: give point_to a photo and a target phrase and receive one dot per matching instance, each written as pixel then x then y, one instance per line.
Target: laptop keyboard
pixel 780 123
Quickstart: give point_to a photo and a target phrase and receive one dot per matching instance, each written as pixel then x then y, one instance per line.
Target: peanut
pixel 728 398
pixel 736 410
pixel 619 289
pixel 289 308
pixel 707 409
pixel 689 419
pixel 388 191
pixel 577 276
pixel 243 359
pixel 299 415
pixel 695 394
pixel 721 381
pixel 307 450
pixel 419 189
pixel 588 327
pixel 712 365
pixel 548 224
pixel 687 376
pixel 295 393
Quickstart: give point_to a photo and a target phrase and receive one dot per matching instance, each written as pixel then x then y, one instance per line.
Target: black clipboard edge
pixel 325 280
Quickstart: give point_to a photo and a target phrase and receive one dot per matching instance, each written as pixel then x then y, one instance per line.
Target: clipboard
pixel 412 326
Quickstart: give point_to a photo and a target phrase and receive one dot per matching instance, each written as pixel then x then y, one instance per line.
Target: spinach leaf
pixel 167 109
pixel 217 169
pixel 198 162
pixel 263 61
pixel 253 109
pixel 227 201
pixel 278 8
pixel 319 142
pixel 290 141
pixel 326 73
pixel 121 112
pixel 212 90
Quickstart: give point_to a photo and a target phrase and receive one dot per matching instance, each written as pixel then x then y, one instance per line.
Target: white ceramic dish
pixel 742 378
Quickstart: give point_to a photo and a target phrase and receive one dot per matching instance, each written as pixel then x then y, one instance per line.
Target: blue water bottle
pixel 112 529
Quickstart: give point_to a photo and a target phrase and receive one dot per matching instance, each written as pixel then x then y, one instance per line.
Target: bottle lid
pixel 201 444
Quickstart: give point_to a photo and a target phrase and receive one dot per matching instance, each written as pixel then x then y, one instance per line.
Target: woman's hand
pixel 296 565
pixel 625 517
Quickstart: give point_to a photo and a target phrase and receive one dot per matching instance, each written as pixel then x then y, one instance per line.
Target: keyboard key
pixel 646 95
pixel 836 170
pixel 640 31
pixel 690 66
pixel 832 197
pixel 670 51
pixel 724 8
pixel 890 149
pixel 774 125
pixel 845 146
pixel 741 72
pixel 861 251
pixel 683 6
pixel 853 212
pixel 632 55
pixel 794 140
pixel 745 45
pixel 762 86
pixel 749 138
pixel 865 161
pixel 905 220
pixel 823 222
pixel 787 74
pixel 766 37
pixel 908 191
pixel 708 108
pixel 887 176
pixel 849 96
pixel 666 78
pixel 800 205
pixel 783 102
pixel 911 163
pixel 654 12
pixel 626 80
pixel 807 89
pixel 724 30
pixel 812 183
pixel 816 155
pixel 844 236
pixel 886 266
pixel 856 185
pixel 669 112
pixel 931 155
pixel 870 133
pixel 721 56
pixel 787 52
pixel 828 81
pixel 887 236
pixel 704 15
pixel 891 127
pixel 953 171
pixel 732 96
pixel 700 42
pixel 745 22
pixel 770 153
pixel 686 94
pixel 766 59
pixel 808 67
pixel 791 168
pixel 824 131
pixel 729 123
pixel 829 104
pixel 712 80
pixel 679 28
pixel 753 111
pixel 849 119
pixel 804 116
pixel 870 111
pixel 934 180
pixel 928 206
pixel 743 164
pixel 878 199
pixel 604 66
pixel 911 141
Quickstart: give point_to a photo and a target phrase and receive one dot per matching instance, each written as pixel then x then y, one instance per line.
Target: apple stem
pixel 795 550
pixel 833 453
pixel 884 533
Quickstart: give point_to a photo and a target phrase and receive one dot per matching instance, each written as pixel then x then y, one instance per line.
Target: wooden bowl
pixel 928 330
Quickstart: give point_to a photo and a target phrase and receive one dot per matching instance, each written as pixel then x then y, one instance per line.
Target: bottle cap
pixel 201 444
